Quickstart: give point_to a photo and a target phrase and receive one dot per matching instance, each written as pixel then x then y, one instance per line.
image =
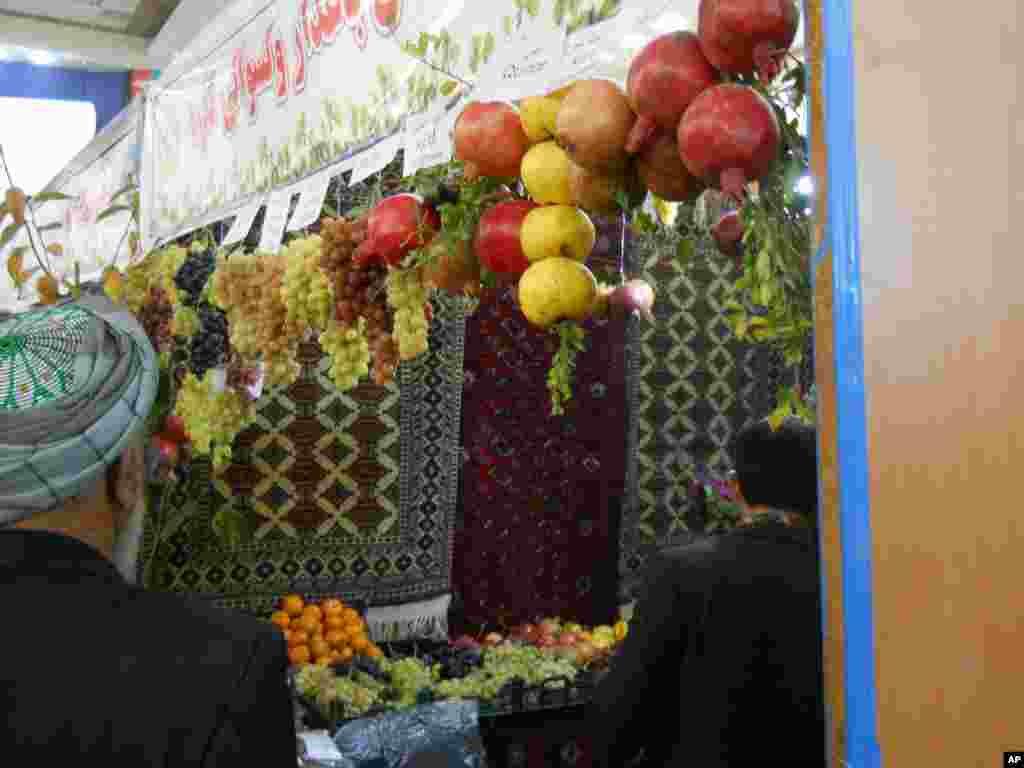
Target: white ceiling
pixel 107 14
pixel 102 34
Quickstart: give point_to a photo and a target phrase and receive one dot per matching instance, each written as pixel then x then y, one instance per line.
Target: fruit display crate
pixel 557 693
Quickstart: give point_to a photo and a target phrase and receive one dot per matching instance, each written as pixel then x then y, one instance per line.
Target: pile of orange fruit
pixel 322 633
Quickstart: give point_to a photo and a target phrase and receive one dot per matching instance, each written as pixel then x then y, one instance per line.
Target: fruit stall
pixel 423 286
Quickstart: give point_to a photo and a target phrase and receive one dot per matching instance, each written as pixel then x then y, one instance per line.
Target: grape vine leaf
pixel 9 232
pixel 113 211
pixel 47 197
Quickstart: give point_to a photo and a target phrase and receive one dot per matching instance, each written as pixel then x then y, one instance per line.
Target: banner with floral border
pixel 304 83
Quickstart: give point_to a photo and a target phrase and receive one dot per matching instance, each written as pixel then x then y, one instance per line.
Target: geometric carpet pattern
pixel 346 493
pixel 691 387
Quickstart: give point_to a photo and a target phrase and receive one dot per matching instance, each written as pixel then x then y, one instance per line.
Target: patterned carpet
pixel 348 493
pixel 692 387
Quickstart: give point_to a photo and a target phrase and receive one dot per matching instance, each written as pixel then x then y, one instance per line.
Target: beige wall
pixel 940 92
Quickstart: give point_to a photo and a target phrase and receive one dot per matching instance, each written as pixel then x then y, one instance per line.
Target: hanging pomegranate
pixel 397 225
pixel 728 234
pixel 664 78
pixel 497 242
pixel 662 171
pixel 489 139
pixel 742 37
pixel 729 136
pixel 593 124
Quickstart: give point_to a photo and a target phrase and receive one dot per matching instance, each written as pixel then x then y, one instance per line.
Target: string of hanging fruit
pixel 514 207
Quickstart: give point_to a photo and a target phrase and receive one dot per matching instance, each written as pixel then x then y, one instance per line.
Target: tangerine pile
pixel 322 633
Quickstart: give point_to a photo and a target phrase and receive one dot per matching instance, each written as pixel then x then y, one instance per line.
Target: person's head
pixel 108 515
pixel 72 456
pixel 778 469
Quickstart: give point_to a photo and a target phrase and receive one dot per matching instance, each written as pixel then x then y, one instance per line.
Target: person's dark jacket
pixel 722 663
pixel 95 671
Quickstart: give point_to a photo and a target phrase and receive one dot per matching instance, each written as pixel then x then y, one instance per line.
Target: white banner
pixel 375 159
pixel 275 220
pixel 312 192
pixel 242 223
pixel 303 83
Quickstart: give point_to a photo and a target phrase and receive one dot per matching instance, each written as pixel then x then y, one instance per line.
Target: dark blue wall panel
pixel 108 91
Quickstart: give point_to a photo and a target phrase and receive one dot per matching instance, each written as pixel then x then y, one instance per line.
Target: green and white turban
pixel 77 382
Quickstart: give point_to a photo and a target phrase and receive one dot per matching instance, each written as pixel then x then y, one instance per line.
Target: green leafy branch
pixel 571 341
pixel 576 14
pixel 459 219
pixel 791 404
pixel 23 213
pixel 440 53
pixel 772 302
pixel 130 193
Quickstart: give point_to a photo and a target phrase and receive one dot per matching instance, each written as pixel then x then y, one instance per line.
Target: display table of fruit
pixel 339 674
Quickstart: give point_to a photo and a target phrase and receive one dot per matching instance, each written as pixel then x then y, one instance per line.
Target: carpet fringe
pixel 426 619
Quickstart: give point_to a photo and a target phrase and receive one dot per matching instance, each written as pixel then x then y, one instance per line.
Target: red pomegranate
pixel 174 429
pixel 662 171
pixel 729 136
pixel 397 225
pixel 489 139
pixel 746 36
pixel 664 78
pixel 497 237
pixel 728 234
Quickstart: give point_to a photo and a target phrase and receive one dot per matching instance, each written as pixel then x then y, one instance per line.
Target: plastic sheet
pixel 441 735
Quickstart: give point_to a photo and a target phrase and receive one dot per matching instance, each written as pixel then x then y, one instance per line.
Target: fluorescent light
pixel 632 42
pixel 41 58
pixel 805 186
pixel 670 22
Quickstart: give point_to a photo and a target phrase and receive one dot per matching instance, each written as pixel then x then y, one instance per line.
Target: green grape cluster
pixel 185 322
pixel 339 696
pixel 136 287
pixel 168 262
pixel 503 665
pixel 157 270
pixel 349 351
pixel 212 419
pixel 408 295
pixel 306 290
pixel 408 677
pixel 572 341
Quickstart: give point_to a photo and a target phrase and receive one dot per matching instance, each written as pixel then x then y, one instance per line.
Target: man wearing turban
pixel 95 669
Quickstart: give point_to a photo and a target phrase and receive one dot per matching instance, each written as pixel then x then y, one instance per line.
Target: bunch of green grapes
pixel 349 697
pixel 185 322
pixel 409 296
pixel 212 419
pixel 135 292
pixel 408 677
pixel 167 263
pixel 306 291
pixel 313 678
pixel 349 351
pixel 501 666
